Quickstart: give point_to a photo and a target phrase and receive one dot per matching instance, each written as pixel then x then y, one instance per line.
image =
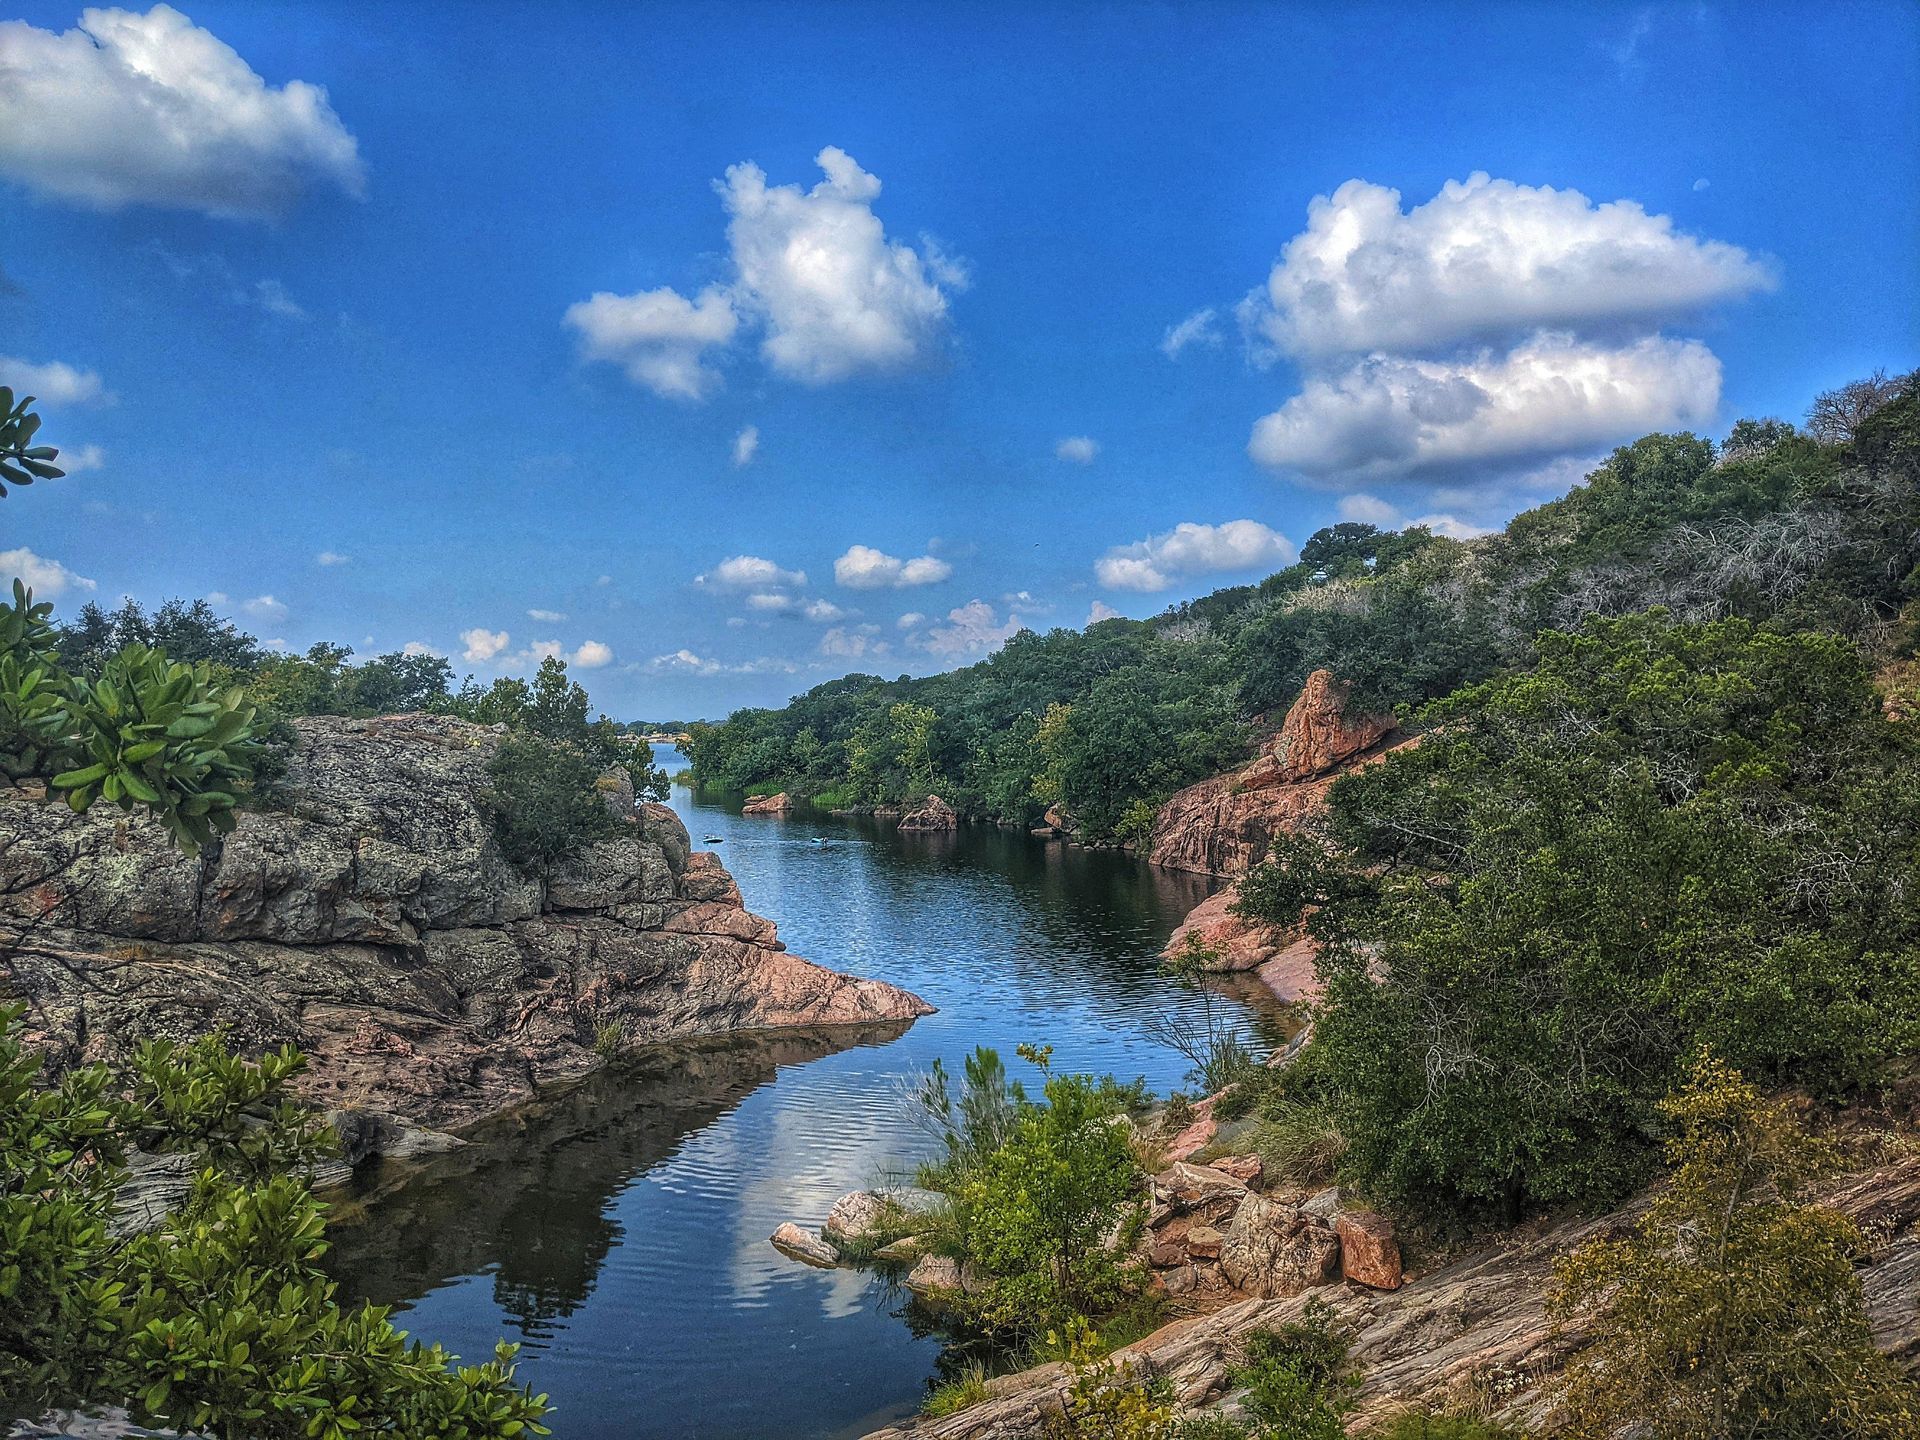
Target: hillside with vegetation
pixel 1791 528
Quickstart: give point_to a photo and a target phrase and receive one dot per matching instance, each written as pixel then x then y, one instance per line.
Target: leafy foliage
pixel 544 801
pixel 21 461
pixel 219 1320
pixel 1661 836
pixel 1034 1189
pixel 144 733
pixel 1733 1310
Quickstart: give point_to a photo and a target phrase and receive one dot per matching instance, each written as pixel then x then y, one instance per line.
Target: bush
pixel 545 800
pixel 220 1321
pixel 1298 1141
pixel 1296 1379
pixel 950 1397
pixel 1734 1309
pixel 1665 835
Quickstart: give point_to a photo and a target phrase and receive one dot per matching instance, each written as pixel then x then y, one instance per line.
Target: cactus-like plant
pixel 21 461
pixel 161 735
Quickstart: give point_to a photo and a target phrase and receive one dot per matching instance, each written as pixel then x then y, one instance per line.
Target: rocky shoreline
pixel 374 923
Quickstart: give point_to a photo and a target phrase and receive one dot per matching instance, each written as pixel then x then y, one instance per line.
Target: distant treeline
pixel 1796 528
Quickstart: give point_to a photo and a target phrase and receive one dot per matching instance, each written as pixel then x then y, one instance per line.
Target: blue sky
pixel 911 255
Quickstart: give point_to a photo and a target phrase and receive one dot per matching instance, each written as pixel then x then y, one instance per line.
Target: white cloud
pixel 1483 257
pixel 54 383
pixel 78 459
pixel 332 557
pixel 551 617
pixel 774 602
pixel 1159 561
pixel 1390 415
pixel 1375 511
pixel 420 647
pixel 750 572
pixel 1199 328
pixel 745 446
pixel 1701 184
pixel 865 568
pixel 150 109
pixel 1101 611
pixel 604 580
pixel 684 659
pixel 482 644
pixel 971 629
pixel 851 644
pixel 271 296
pixel 265 607
pixel 48 579
pixel 590 656
pixel 660 336
pixel 838 296
pixel 909 620
pixel 1079 449
pixel 813 270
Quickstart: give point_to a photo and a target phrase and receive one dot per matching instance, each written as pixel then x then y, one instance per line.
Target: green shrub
pixel 1734 1308
pixel 1298 1141
pixel 219 1321
pixel 1295 1378
pixel 545 800
pixel 1429 1425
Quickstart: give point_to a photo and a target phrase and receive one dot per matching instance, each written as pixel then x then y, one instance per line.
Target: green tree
pixel 1733 1311
pixel 545 800
pixel 1663 835
pixel 219 1321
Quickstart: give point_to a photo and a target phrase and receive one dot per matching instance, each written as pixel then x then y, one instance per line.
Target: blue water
pixel 620 1234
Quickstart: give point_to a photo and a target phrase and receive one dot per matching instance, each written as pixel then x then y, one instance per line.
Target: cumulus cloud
pixel 813 270
pixel 551 617
pixel 54 383
pixel 77 459
pixel 1375 511
pixel 482 644
pixel 971 629
pixel 591 655
pixel 684 659
pixel 750 572
pixel 745 446
pixel 1200 328
pixel 850 644
pixel 687 662
pixel 332 557
pixel 1157 562
pixel 1483 257
pixel 150 109
pixel 865 568
pixel 265 607
pixel 1396 415
pixel 659 336
pixel 48 579
pixel 420 647
pixel 910 619
pixel 1101 611
pixel 1078 449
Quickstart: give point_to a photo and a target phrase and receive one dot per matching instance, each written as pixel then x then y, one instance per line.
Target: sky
pixel 723 350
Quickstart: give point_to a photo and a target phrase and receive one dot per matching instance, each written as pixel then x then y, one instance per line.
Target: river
pixel 619 1234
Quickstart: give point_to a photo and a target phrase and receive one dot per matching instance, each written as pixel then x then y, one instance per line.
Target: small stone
pixel 805 1246
pixel 1203 1242
pixel 1323 1206
pixel 1247 1169
pixel 1369 1253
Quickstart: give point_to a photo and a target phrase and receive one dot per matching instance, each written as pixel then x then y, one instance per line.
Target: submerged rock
pixel 805 1246
pixel 375 923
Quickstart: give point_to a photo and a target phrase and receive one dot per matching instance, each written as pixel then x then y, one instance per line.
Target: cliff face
pixel 1223 826
pixel 1226 825
pixel 377 926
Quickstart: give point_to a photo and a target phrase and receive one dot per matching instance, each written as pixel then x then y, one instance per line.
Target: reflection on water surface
pixel 619 1231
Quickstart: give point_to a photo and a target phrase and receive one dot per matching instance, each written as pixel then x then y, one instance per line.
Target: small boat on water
pixel 715 840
